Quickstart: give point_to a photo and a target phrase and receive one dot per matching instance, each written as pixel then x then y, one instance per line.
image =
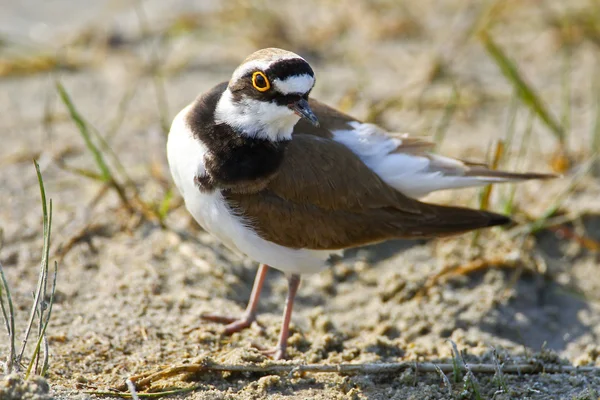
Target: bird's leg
pixel 249 316
pixel 279 352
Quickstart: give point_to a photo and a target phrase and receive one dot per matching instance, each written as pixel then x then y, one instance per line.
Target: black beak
pixel 302 109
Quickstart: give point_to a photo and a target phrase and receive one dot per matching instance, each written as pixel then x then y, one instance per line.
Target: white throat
pixel 255 118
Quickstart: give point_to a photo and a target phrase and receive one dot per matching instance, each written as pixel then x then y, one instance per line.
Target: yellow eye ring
pixel 260 81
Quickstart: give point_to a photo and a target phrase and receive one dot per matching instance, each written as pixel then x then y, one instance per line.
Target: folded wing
pixel 407 164
pixel 323 180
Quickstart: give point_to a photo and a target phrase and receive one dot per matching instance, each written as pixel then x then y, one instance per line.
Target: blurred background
pixel 89 88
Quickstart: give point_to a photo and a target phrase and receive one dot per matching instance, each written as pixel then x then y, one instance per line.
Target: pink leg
pixel 279 352
pixel 249 316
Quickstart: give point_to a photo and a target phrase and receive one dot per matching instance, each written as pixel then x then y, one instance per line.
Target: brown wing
pixel 329 118
pixel 324 197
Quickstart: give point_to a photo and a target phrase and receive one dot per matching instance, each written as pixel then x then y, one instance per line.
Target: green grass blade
pixel 540 223
pixel 44 269
pixel 43 330
pixel 456 362
pixel 3 308
pixel 116 160
pixel 86 173
pixel 47 218
pixel 511 123
pixel 165 205
pixel 566 89
pixel 596 126
pixel 10 321
pixel 449 110
pixel 85 132
pixel 527 94
pixel 510 202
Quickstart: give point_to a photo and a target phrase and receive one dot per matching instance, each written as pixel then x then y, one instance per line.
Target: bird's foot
pixel 232 324
pixel 276 353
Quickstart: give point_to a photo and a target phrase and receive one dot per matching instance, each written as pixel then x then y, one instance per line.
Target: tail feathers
pixel 421 175
pixel 485 174
pixel 447 221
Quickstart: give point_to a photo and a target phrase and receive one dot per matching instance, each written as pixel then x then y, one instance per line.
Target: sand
pixel 130 292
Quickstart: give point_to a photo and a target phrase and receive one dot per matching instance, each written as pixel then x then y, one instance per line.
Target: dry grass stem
pixel 145 380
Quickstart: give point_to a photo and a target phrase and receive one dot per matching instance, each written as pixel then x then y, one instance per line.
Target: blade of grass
pixel 157 77
pixel 106 174
pixel 526 92
pixel 122 109
pixel 595 134
pixel 85 133
pixel 566 89
pixel 540 223
pixel 47 218
pixel 44 271
pixel 511 123
pixel 486 192
pixel 525 139
pixel 449 110
pixel 509 135
pixel 499 376
pixel 445 379
pixel 117 161
pixel 471 383
pixel 457 366
pixel 43 330
pixel 497 155
pixel 3 307
pixel 10 322
pixel 165 205
pixel 81 171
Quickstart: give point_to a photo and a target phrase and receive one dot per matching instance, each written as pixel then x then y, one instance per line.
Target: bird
pixel 288 181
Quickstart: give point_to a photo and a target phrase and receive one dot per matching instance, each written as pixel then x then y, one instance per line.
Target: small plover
pixel 287 180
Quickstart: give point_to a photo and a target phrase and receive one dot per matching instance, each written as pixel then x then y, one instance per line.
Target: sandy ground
pixel 130 293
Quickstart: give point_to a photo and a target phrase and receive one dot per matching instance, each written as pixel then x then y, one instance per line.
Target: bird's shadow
pixel 376 253
pixel 543 311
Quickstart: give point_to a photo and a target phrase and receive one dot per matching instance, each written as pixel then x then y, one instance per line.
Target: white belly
pixel 186 160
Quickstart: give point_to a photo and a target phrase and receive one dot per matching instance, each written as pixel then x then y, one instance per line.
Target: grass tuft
pixel 127 192
pixel 595 132
pixel 471 387
pixel 39 307
pixel 445 380
pixel 541 222
pixel 499 376
pixel 526 92
pixel 9 319
pixel 456 362
pixel 82 126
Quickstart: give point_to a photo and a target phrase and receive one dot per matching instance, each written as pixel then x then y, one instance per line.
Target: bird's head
pixel 267 95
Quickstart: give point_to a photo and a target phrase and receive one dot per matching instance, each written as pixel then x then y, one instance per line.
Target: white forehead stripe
pixel 295 84
pixel 262 64
pixel 254 65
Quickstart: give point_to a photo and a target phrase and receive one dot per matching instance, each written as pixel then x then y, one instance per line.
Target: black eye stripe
pixel 284 100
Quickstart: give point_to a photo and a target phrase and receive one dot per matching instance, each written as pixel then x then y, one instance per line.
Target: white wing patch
pixel 414 175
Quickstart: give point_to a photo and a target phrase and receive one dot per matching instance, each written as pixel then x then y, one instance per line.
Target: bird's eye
pixel 260 82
